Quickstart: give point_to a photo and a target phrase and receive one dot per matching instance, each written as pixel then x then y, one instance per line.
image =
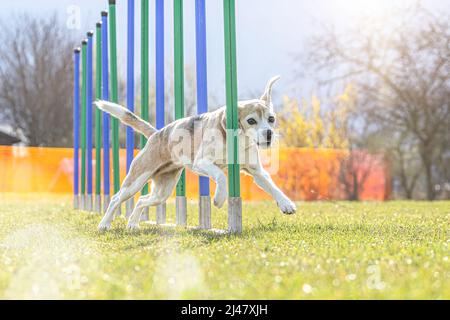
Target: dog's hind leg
pixel 114 204
pixel 133 182
pixel 125 193
pixel 162 188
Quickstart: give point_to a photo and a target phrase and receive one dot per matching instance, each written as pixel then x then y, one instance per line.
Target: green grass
pixel 394 250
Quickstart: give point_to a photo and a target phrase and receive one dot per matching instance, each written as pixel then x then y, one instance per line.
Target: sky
pixel 269 34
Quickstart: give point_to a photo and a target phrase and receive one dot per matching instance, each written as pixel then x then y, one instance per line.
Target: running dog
pixel 166 154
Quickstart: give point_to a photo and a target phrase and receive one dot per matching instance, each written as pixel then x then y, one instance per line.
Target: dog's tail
pixel 127 117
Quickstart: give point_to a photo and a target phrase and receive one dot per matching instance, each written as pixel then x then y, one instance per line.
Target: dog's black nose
pixel 269 135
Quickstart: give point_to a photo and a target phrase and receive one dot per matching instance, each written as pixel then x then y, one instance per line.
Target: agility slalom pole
pixel 181 204
pixel 114 94
pixel 234 197
pixel 76 128
pixel 204 218
pixel 130 94
pixel 83 125
pixel 89 122
pixel 106 116
pixel 98 119
pixel 159 56
pixel 144 81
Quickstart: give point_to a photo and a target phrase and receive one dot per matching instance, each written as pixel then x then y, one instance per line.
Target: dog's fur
pixel 159 162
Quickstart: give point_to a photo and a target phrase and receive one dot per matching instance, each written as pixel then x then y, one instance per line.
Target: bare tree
pixel 36 79
pixel 405 164
pixel 354 170
pixel 400 65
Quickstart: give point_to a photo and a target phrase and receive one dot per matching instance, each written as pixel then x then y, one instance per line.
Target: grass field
pixel 326 251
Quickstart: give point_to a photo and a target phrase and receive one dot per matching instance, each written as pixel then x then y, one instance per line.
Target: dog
pixel 163 158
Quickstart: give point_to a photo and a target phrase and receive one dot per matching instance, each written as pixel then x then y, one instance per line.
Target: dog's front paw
pixel 286 206
pixel 133 226
pixel 104 226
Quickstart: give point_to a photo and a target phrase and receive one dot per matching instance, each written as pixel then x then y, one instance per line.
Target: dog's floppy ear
pixel 223 120
pixel 267 96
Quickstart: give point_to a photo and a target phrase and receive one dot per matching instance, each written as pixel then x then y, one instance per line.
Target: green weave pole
pixel 114 92
pixel 83 121
pixel 179 77
pixel 144 70
pixel 231 88
pixel 181 204
pixel 98 116
pixel 234 198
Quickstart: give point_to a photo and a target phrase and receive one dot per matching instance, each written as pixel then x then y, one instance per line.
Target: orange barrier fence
pixel 303 174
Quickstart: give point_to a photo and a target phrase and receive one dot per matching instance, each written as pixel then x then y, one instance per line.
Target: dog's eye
pixel 271 119
pixel 251 121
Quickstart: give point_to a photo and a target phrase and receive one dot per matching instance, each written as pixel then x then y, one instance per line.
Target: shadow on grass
pixel 148 235
pixel 366 232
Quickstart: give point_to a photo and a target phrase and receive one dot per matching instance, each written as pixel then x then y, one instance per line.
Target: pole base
pixel 82 202
pixel 161 213
pixel 98 203
pixel 145 216
pixel 89 202
pixel 129 208
pixel 106 201
pixel 181 211
pixel 204 212
pixel 76 202
pixel 235 214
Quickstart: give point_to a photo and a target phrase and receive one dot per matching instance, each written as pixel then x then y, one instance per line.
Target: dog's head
pixel 257 117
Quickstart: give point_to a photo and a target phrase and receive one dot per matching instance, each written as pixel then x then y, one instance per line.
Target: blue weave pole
pixel 159 56
pixel 130 92
pixel 89 120
pixel 105 96
pixel 202 78
pixel 76 128
pixel 204 215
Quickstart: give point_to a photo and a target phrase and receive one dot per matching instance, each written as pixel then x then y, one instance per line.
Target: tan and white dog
pixel 199 144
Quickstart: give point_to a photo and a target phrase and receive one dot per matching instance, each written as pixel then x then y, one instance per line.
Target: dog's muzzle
pixel 268 135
